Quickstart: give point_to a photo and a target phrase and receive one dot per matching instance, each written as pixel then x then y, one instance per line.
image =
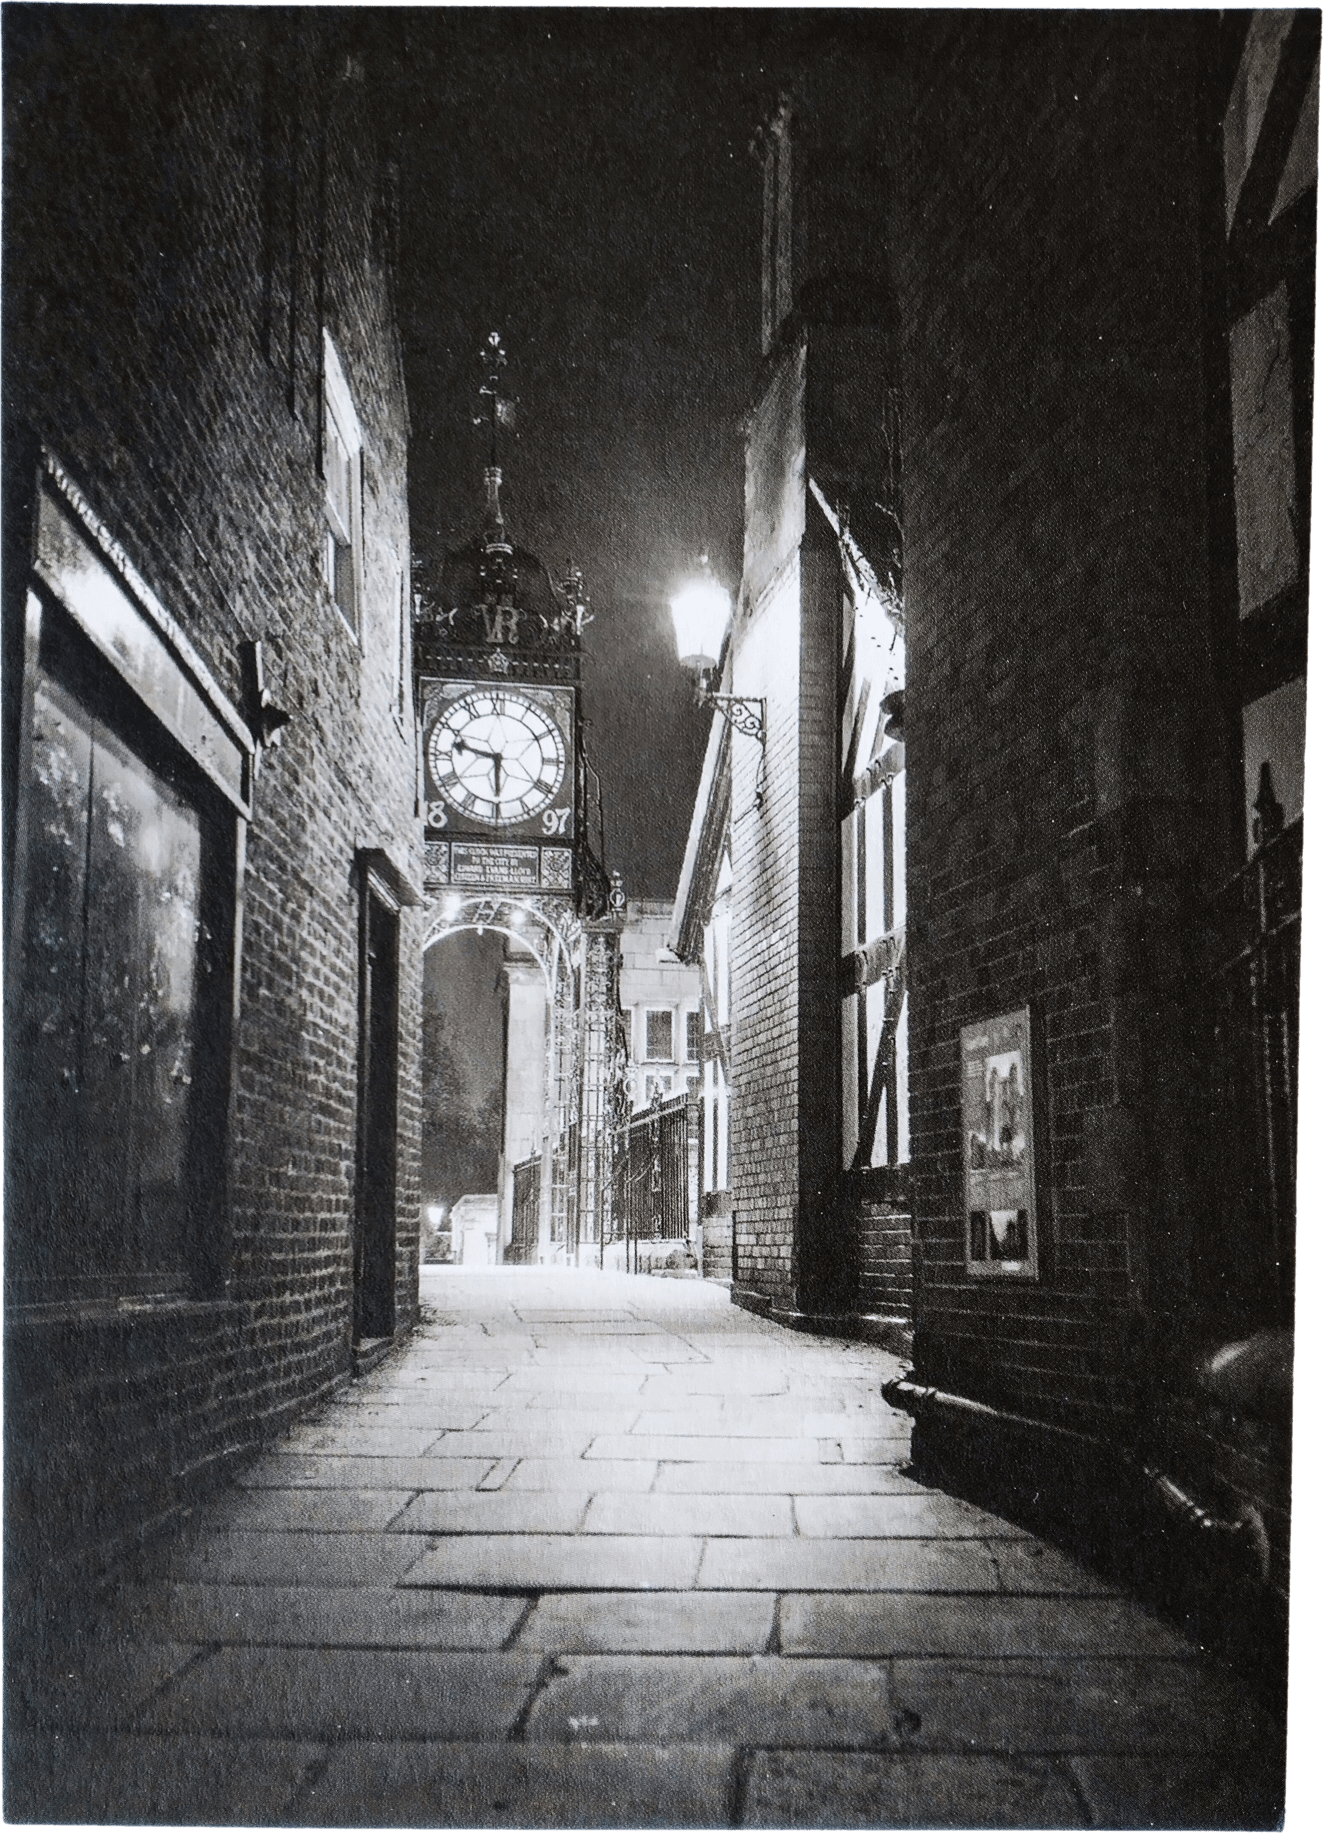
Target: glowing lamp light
pixel 700 611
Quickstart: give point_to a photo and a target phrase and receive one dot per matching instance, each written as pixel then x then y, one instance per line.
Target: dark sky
pixel 581 182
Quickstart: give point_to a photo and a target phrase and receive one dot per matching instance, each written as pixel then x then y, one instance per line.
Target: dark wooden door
pixel 374 1243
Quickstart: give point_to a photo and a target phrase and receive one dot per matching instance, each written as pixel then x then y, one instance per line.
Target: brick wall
pixel 794 1249
pixel 1048 272
pixel 765 916
pixel 189 200
pixel 886 1260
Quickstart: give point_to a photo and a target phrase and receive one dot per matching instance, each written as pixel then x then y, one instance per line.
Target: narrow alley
pixel 593 1550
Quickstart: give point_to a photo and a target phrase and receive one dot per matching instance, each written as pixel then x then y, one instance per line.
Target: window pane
pixel 145 861
pixel 106 1020
pixel 43 1147
pixel 659 1045
pixel 339 481
pixel 1264 440
pixel 693 1043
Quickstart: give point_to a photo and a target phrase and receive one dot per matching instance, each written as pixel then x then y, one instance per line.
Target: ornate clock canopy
pixel 497 649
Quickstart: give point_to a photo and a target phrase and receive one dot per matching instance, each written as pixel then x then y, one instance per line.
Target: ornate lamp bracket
pixel 747 715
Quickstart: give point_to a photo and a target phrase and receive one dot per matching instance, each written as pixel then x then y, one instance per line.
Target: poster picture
pixel 1001 1233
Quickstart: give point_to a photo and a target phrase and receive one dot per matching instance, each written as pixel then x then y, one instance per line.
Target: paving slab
pixel 325 1470
pixel 99 1685
pixel 823 1788
pixel 1135 1791
pixel 315 1616
pixel 730 1376
pixel 622 1513
pixel 1032 1566
pixel 525 1441
pixel 539 1398
pixel 745 1421
pixel 346 1693
pixel 365 1440
pixel 848 1565
pixel 521 1785
pixel 920 1623
pixel 184 1780
pixel 664 1622
pixel 502 1511
pixel 554 1562
pixel 1087 1706
pixel 688 1448
pixel 889 1516
pixel 305 1510
pixel 758 1478
pixel 577 1473
pixel 561 1423
pixel 759 1699
pixel 407 1413
pixel 230 1557
pixel 876 1447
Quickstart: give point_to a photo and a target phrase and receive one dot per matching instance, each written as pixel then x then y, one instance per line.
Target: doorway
pixel 374 1231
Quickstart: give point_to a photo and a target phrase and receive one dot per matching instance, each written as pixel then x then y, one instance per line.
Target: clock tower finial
pixel 500 413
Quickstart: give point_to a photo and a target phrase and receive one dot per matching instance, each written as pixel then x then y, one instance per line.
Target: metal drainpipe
pixel 1243 1535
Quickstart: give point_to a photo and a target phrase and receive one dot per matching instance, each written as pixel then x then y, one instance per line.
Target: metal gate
pixel 523 1232
pixel 654 1184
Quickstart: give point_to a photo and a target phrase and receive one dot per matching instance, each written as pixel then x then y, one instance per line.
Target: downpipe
pixel 1241 1538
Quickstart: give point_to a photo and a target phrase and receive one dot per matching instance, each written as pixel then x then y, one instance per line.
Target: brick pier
pixel 596 1550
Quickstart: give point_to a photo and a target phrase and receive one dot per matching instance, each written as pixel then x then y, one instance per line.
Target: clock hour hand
pixel 493 758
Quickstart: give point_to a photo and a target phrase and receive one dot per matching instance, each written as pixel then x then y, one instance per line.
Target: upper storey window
pixel 342 469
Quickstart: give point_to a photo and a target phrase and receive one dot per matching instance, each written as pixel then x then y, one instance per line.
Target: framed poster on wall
pixel 1001 1219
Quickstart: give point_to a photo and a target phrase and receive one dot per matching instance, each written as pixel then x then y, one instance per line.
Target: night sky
pixel 581 182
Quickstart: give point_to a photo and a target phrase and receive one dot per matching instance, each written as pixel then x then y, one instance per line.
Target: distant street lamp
pixel 700 611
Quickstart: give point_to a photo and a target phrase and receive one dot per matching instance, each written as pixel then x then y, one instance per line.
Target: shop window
pixel 342 470
pixel 119 987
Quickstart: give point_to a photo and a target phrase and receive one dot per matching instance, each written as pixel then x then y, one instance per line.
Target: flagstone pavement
pixel 594 1550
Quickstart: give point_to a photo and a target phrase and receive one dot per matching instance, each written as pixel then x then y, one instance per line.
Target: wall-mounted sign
pixel 493 866
pixel 1001 1221
pixel 498 759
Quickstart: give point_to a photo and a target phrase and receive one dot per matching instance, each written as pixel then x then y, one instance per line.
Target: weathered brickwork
pixel 885 1249
pixel 765 1105
pixel 190 202
pixel 791 1249
pixel 1060 805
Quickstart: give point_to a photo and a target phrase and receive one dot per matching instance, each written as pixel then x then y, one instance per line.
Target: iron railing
pixel 1254 979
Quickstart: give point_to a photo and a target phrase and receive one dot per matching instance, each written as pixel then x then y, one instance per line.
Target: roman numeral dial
pixel 496 757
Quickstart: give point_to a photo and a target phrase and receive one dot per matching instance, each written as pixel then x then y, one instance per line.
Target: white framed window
pixel 693 1036
pixel 659 1035
pixel 342 472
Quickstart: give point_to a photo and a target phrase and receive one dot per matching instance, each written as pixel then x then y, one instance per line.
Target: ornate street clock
pixel 496 649
pixel 497 760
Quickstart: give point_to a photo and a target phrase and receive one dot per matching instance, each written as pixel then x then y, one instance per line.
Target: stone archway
pixel 575 1004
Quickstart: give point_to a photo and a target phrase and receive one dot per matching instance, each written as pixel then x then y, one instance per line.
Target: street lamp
pixel 700 611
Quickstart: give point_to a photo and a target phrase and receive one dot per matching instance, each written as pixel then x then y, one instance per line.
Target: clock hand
pixel 462 744
pixel 493 758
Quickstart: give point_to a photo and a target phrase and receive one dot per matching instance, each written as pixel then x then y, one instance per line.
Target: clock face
pixel 496 756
